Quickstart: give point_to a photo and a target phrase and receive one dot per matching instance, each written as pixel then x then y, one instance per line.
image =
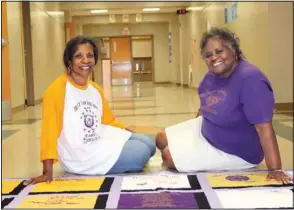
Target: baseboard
pixel 23 106
pixel 162 83
pixel 38 101
pixel 6 110
pixel 184 85
pixel 284 107
pixel 18 108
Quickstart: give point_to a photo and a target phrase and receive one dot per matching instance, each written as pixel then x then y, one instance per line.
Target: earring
pixel 69 69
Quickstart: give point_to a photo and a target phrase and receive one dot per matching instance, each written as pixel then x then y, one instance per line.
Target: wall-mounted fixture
pixel 3 42
pixel 182 11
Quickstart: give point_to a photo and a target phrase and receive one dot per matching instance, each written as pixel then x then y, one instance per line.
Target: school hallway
pixel 149 68
pixel 146 107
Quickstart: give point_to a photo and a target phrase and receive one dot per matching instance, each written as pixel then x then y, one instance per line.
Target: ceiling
pixel 83 8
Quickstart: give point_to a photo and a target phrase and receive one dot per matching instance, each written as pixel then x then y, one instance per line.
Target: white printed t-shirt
pixel 79 129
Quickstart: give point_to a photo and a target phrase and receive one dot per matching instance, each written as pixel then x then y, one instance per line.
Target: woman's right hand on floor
pixel 46 177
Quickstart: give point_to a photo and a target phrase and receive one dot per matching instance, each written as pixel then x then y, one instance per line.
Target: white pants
pixel 191 152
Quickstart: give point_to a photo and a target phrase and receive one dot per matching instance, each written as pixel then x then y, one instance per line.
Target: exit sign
pixel 182 11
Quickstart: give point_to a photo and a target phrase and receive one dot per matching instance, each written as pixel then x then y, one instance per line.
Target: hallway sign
pixel 125 32
pixel 139 17
pixel 112 18
pixel 125 18
pixel 231 12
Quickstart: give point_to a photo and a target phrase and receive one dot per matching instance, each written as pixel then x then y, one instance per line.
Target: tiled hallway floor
pixel 144 106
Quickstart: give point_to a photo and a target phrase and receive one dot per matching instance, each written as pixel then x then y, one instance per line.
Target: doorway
pixel 121 61
pixel 142 50
pixel 28 55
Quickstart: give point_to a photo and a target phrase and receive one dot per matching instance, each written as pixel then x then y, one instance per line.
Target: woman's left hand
pixel 280 176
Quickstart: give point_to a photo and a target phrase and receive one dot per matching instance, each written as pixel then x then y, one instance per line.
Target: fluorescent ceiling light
pixel 55 13
pixel 195 8
pixel 99 11
pixel 151 9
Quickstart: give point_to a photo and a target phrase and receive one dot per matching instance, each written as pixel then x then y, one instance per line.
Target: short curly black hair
pixel 229 37
pixel 72 46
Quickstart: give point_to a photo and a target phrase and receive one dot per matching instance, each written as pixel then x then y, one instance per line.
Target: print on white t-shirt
pixel 88 115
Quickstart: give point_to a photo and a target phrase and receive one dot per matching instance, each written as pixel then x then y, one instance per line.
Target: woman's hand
pixel 47 173
pixel 46 177
pixel 280 176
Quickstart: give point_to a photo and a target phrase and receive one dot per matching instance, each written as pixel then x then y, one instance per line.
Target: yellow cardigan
pixel 52 116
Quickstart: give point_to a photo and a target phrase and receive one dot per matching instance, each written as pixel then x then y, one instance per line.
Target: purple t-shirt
pixel 232 106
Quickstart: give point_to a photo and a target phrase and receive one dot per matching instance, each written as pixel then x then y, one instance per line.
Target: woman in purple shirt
pixel 233 129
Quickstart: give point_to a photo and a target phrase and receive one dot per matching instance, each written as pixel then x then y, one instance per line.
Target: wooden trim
pixel 141 37
pixel 71 28
pixel 142 58
pixel 284 107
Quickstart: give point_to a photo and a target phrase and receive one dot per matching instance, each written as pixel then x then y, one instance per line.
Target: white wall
pixel 265 30
pixel 142 48
pixel 281 50
pixel 158 30
pixel 151 24
pixel 16 60
pixel 175 36
pixel 48 42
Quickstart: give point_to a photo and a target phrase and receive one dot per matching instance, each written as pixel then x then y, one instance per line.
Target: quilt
pixel 163 189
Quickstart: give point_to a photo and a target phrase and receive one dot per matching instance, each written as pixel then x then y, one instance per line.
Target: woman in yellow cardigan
pixel 78 127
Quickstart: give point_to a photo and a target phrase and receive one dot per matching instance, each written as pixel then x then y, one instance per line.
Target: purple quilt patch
pixel 237 178
pixel 158 200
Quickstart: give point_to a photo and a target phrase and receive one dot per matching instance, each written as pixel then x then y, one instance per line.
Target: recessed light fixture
pixel 99 11
pixel 194 8
pixel 151 9
pixel 55 13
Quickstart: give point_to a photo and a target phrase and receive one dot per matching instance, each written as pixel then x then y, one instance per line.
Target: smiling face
pixel 83 61
pixel 219 58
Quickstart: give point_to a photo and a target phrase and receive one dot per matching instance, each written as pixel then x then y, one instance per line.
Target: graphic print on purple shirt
pixel 215 97
pixel 232 106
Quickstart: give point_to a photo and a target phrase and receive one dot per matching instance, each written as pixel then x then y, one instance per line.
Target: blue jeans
pixel 135 154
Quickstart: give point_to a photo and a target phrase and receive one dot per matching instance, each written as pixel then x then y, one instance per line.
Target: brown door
pixel 121 65
pixel 142 69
